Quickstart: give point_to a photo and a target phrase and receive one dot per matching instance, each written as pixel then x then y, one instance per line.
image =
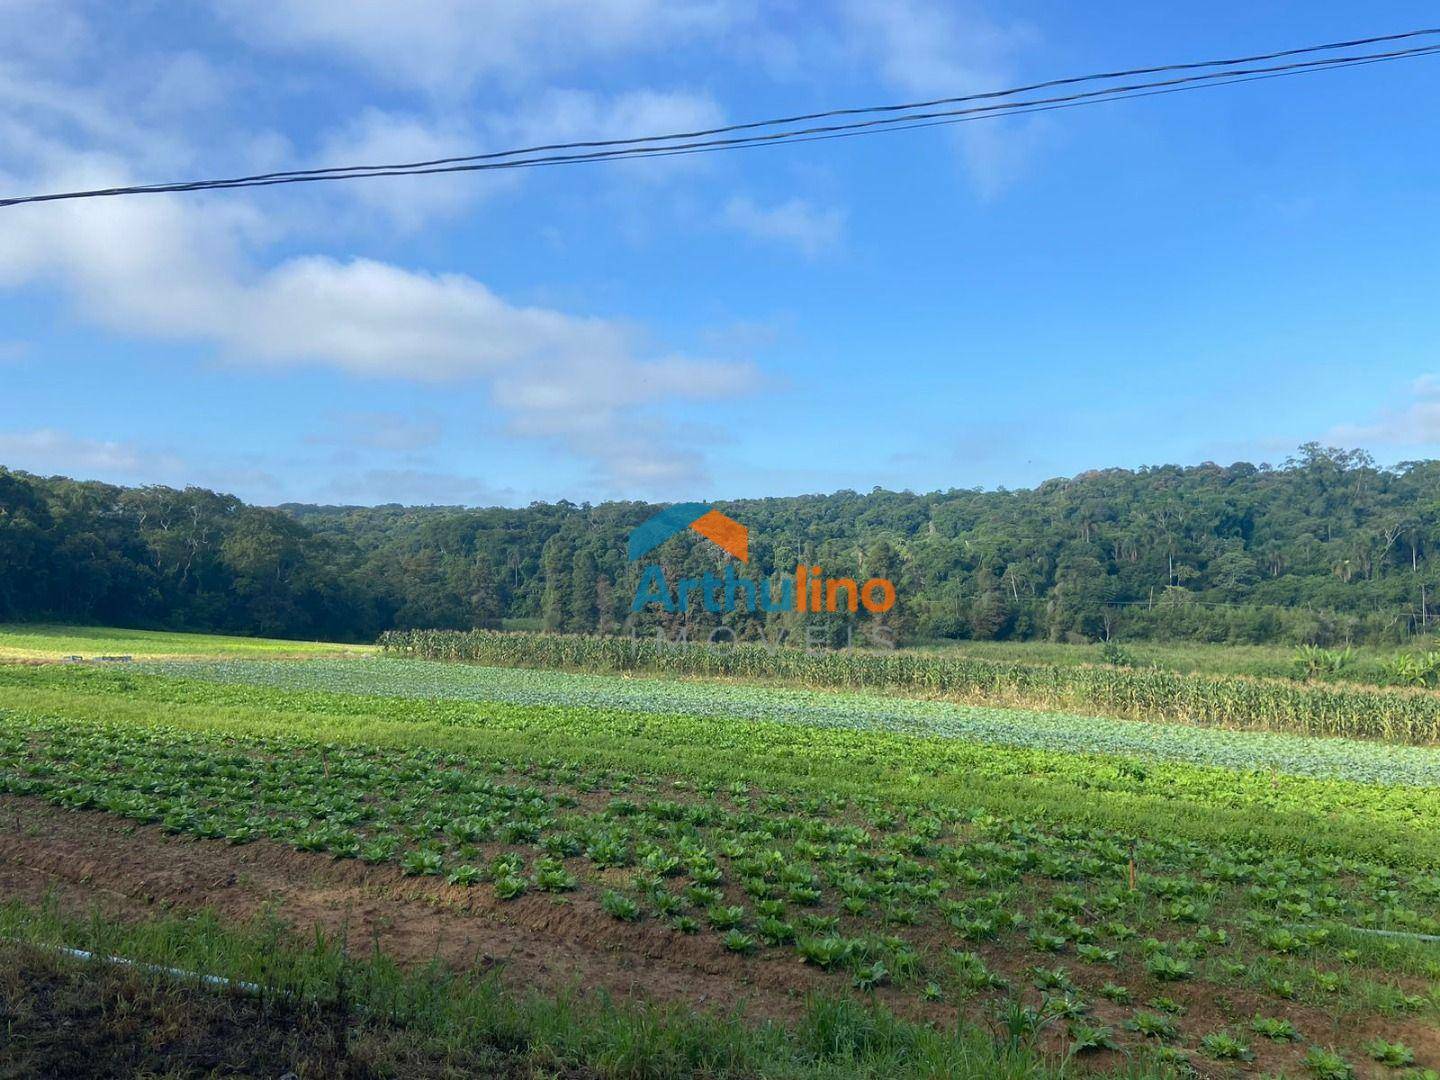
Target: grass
pixel 47 641
pixel 324 1013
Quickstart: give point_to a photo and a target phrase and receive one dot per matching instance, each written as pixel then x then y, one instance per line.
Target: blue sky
pixel 1219 275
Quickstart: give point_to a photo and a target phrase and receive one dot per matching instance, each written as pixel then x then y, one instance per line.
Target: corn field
pixel 1397 715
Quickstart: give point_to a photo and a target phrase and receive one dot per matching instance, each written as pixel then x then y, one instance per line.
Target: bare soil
pixel 551 942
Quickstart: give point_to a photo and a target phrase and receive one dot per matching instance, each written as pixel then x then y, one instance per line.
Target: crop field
pixel 1311 708
pixel 42 641
pixel 881 885
pixel 1365 664
pixel 1299 755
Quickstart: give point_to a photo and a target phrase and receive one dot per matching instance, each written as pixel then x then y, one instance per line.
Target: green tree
pixel 584 577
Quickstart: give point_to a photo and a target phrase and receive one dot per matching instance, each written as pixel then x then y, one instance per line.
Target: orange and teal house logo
pixel 807 590
pixel 703 518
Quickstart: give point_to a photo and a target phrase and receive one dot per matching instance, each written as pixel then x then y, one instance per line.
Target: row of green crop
pixel 1136 798
pixel 1226 701
pixel 1367 761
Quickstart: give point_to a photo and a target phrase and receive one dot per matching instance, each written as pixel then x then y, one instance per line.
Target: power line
pixel 805 117
pixel 900 117
pixel 904 122
pixel 900 123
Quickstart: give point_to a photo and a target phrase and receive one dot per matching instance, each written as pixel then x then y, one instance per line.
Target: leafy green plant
pixel 619 906
pixel 420 861
pixel 725 918
pixel 871 975
pixel 739 942
pixel 1276 1028
pixel 1089 1037
pixel 1313 662
pixel 1052 979
pixel 1325 1064
pixel 823 952
pixel 1409 669
pixel 1047 942
pixel 703 895
pixel 551 876
pixel 1168 968
pixel 1394 1054
pixel 1153 1025
pixel 1112 652
pixel 465 875
pixel 509 886
pixel 1094 954
pixel 1226 1046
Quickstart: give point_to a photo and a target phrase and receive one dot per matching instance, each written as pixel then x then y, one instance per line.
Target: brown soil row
pixel 538 941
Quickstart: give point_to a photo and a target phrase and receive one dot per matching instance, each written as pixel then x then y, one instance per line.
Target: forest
pixel 1326 547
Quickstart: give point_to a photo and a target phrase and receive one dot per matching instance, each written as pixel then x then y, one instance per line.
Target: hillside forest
pixel 1327 547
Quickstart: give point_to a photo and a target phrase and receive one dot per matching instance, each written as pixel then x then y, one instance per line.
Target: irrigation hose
pixel 157 969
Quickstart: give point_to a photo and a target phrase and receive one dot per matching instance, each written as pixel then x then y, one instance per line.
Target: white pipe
pixel 1393 933
pixel 179 973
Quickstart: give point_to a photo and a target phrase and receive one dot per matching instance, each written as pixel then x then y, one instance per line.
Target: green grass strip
pixel 440 1013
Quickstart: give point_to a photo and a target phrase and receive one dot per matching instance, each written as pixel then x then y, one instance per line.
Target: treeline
pixel 155 557
pixel 1326 548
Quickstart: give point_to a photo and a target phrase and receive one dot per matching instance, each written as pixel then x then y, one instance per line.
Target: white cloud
pixel 196 268
pixel 448 46
pixel 45 451
pixel 376 137
pixel 45 31
pixel 52 452
pixel 415 486
pixel 1426 386
pixel 796 221
pixel 1414 424
pixel 181 83
pixel 395 431
pixel 931 50
pixel 925 46
pixel 182 269
pixel 560 115
pixel 65 83
pixel 39 117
